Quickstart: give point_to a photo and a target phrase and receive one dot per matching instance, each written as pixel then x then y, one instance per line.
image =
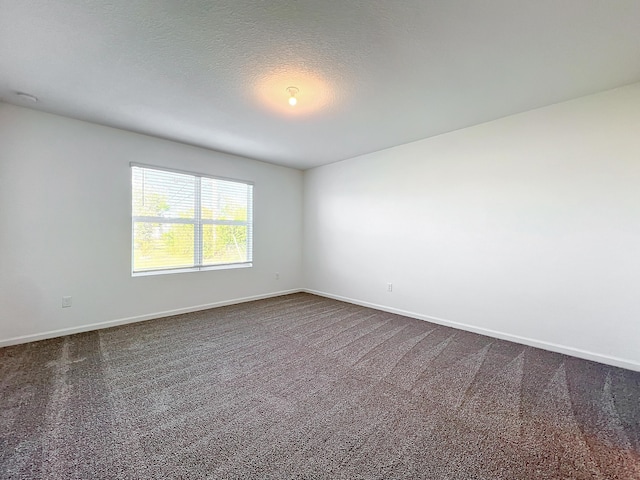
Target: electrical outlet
pixel 389 287
pixel 66 302
pixel 277 275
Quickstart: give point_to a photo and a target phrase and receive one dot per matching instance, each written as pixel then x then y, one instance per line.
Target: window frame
pixel 197 221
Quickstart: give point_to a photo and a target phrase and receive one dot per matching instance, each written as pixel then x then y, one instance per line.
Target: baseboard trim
pixel 552 347
pixel 138 318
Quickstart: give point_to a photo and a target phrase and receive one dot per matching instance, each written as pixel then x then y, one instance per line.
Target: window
pixel 185 221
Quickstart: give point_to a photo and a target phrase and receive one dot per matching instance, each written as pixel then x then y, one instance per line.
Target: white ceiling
pixel 372 74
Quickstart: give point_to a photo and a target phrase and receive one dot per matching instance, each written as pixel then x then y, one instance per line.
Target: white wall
pixel 65 227
pixel 527 228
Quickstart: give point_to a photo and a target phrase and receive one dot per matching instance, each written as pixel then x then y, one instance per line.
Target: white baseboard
pixel 575 352
pixel 552 347
pixel 139 318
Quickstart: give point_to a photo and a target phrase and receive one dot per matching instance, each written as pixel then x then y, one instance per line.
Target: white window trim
pixel 197 224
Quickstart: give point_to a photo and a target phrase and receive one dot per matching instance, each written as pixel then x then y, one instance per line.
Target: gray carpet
pixel 305 387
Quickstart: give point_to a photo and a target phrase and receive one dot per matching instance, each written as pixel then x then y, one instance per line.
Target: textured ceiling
pixel 372 74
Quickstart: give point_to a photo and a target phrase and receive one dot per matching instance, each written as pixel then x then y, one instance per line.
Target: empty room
pixel 278 239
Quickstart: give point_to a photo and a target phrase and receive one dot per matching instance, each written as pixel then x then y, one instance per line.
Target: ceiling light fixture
pixel 27 96
pixel 292 99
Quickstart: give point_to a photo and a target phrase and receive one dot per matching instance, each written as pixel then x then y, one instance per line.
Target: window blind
pixel 183 220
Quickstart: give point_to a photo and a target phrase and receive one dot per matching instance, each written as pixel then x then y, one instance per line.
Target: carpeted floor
pixel 310 388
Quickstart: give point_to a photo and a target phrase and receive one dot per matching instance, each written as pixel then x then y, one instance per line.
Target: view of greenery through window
pixel 184 221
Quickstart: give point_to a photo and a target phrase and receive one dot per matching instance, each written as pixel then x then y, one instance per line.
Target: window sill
pixel 230 266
